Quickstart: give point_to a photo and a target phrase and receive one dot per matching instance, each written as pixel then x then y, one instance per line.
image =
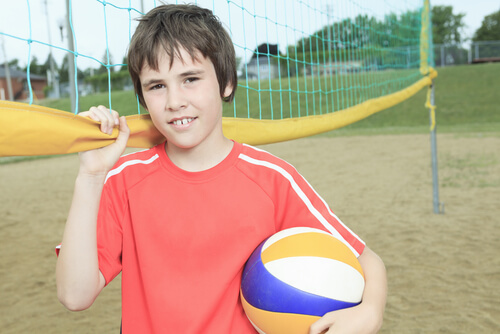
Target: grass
pixel 465 96
pixel 123 101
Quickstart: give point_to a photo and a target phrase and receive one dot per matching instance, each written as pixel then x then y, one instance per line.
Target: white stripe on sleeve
pixel 120 168
pixel 305 199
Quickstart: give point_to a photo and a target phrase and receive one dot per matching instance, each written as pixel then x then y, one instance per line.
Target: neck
pixel 199 158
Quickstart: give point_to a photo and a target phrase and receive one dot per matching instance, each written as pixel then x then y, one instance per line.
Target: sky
pixel 22 20
pixel 474 11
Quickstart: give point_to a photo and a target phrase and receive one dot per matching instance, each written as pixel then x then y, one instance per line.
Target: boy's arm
pixel 366 317
pixel 79 280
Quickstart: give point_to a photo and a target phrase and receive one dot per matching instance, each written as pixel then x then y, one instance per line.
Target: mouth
pixel 182 121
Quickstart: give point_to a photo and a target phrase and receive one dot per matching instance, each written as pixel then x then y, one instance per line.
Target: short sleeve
pixel 112 210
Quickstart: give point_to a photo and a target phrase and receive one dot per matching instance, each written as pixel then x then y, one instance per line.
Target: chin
pixel 182 144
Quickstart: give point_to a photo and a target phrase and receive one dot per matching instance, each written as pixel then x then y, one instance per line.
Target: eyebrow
pixel 191 73
pixel 186 74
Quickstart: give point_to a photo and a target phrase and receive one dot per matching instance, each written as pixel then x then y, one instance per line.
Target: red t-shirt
pixel 181 238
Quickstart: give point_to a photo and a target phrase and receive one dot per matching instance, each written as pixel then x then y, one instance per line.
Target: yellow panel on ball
pixel 278 323
pixel 311 244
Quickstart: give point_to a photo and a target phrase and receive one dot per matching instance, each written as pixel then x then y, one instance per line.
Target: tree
pixel 103 68
pixel 392 31
pixel 124 68
pixel 47 62
pixel 490 28
pixel 36 68
pixel 447 28
pixel 63 71
pixel 13 64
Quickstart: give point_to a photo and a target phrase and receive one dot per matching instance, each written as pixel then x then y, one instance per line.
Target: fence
pixel 456 54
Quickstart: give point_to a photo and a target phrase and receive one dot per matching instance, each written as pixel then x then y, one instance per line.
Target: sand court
pixel 443 270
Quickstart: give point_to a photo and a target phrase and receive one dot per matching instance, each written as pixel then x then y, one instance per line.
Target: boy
pixel 180 220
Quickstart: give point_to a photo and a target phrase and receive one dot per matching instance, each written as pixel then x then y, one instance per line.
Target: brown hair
pixel 171 27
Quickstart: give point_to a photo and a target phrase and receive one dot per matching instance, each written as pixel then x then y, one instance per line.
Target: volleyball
pixel 295 277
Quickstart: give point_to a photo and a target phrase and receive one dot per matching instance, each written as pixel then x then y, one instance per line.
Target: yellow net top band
pixel 28 130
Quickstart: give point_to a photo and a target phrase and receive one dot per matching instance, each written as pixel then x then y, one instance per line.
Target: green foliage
pixel 100 81
pixel 447 28
pixel 37 68
pixel 363 43
pixel 363 31
pixel 14 63
pixel 104 60
pixel 63 71
pixel 124 68
pixel 40 69
pixel 490 28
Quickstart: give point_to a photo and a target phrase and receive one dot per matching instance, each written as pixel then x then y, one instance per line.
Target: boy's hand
pixel 357 319
pixel 368 316
pixel 98 162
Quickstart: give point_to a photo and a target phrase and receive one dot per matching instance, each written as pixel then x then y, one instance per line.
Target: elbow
pixel 74 302
pixel 76 291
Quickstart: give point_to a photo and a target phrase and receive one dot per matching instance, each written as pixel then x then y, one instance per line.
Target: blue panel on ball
pixel 264 291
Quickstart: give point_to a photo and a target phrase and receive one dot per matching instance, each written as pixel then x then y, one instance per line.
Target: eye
pixel 191 79
pixel 155 87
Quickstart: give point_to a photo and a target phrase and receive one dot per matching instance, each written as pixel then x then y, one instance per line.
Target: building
pixel 333 68
pixel 20 89
pixel 264 63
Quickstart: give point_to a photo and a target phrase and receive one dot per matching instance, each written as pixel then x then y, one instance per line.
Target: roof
pixel 15 73
pixel 266 49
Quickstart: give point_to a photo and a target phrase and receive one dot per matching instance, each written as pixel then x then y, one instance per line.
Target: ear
pixel 228 90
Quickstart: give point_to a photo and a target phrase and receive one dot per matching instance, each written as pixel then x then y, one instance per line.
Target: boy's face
pixel 184 101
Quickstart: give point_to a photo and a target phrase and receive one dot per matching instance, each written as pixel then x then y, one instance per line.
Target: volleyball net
pixel 305 67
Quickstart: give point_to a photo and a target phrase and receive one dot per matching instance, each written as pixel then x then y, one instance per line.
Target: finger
pixel 107 120
pixel 90 114
pixel 84 114
pixel 112 117
pixel 103 115
pixel 124 134
pixel 95 114
pixel 116 117
pixel 320 326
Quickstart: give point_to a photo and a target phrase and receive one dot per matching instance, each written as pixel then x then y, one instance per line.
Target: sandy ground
pixel 443 269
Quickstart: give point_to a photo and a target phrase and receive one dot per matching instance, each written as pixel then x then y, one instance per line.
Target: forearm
pixel 375 293
pixel 77 271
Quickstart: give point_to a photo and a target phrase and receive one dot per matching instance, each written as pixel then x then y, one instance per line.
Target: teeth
pixel 183 121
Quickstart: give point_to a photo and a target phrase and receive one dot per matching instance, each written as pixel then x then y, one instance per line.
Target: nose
pixel 175 99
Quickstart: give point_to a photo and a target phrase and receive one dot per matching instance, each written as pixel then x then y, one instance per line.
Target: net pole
pixel 71 60
pixel 435 180
pixel 54 78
